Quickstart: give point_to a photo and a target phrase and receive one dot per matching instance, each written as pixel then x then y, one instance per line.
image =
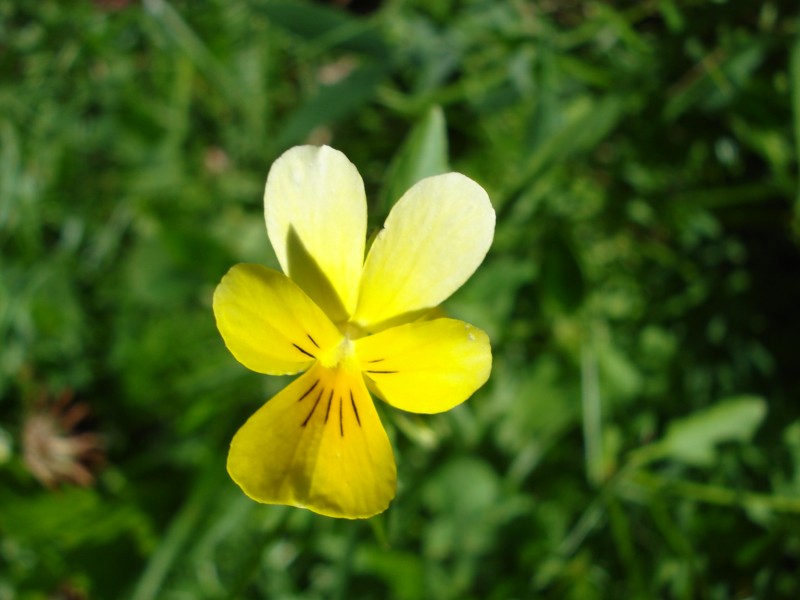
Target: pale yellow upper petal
pixel 433 240
pixel 268 323
pixel 427 366
pixel 318 444
pixel 316 213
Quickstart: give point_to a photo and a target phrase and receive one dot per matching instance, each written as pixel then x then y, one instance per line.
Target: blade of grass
pixel 794 76
pixel 332 103
pixel 715 494
pixel 179 532
pixel 592 415
pixel 188 41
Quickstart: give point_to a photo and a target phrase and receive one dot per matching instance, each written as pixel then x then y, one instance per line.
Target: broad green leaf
pixel 694 439
pixel 403 572
pixel 423 154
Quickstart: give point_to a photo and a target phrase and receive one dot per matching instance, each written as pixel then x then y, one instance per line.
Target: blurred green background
pixel 640 434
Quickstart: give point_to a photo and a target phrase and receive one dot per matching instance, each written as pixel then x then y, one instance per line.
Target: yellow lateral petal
pixel 316 213
pixel 268 323
pixel 318 444
pixel 433 240
pixel 427 366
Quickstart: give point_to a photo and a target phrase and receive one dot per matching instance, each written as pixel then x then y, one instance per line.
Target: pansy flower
pixel 350 326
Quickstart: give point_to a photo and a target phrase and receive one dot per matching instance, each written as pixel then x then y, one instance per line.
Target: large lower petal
pixel 268 323
pixel 427 366
pixel 318 444
pixel 316 213
pixel 433 240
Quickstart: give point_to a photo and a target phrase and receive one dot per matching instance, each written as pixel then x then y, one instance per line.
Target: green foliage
pixel 693 439
pixel 640 434
pixel 423 154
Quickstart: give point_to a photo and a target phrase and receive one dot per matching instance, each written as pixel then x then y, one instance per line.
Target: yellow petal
pixel 268 323
pixel 316 213
pixel 433 240
pixel 427 366
pixel 318 444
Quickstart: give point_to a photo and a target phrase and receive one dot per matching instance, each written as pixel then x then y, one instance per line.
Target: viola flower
pixel 350 326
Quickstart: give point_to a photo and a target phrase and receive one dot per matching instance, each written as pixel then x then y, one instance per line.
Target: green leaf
pixel 423 154
pixel 693 439
pixel 402 571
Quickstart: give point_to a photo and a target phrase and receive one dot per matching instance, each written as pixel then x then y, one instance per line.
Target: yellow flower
pixel 350 325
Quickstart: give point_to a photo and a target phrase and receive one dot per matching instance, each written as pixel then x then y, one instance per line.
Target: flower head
pixel 53 448
pixel 350 326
